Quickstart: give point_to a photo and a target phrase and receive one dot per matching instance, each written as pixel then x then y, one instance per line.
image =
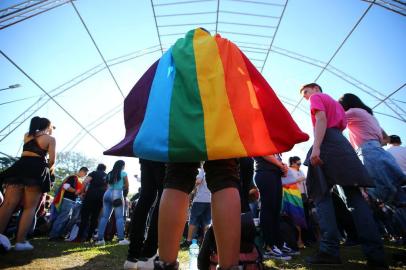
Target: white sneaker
pixel 147 264
pixel 130 265
pixel 4 243
pixel 100 243
pixel 289 251
pixel 123 242
pixel 23 246
pixel 276 253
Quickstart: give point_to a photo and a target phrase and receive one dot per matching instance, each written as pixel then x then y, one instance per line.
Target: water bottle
pixel 193 253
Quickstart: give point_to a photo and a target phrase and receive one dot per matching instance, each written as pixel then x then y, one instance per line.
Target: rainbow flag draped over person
pixel 292 204
pixel 204 100
pixel 61 191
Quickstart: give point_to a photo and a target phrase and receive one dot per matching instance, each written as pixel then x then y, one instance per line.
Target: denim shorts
pixel 200 213
pixel 220 174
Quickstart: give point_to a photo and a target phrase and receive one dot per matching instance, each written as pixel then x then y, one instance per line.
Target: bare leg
pixel 191 230
pixel 11 200
pixel 171 221
pixel 32 195
pixel 226 211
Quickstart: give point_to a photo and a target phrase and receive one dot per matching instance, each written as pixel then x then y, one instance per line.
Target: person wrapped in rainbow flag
pixel 203 100
pixel 64 201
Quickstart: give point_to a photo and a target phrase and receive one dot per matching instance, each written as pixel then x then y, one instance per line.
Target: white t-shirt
pixel 203 194
pixel 399 153
pixel 292 177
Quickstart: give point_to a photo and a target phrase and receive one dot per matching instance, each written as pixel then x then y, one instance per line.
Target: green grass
pixel 63 255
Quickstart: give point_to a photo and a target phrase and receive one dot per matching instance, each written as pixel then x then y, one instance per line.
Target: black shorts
pixel 220 174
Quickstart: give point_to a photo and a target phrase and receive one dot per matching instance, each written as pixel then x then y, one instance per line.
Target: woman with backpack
pixel 113 199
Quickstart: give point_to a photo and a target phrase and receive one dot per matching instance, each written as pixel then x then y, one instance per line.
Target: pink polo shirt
pixel 362 127
pixel 335 113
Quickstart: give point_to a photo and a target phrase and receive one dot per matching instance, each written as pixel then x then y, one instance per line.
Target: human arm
pixel 52 153
pixel 319 132
pixel 126 184
pixel 282 166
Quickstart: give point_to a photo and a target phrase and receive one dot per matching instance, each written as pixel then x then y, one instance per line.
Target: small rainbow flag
pixel 292 204
pixel 61 191
pixel 204 100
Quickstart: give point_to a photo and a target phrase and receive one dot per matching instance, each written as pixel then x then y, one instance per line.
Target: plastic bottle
pixel 193 253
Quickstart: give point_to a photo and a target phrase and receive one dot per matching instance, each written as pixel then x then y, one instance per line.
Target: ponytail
pixel 34 124
pixel 37 124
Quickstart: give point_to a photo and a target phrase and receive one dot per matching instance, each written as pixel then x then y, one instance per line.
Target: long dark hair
pixel 37 124
pixel 349 101
pixel 114 175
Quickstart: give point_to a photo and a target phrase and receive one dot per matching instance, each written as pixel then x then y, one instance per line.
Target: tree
pixel 68 163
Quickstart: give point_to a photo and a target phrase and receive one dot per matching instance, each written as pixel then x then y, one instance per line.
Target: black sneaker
pixel 160 265
pixel 324 259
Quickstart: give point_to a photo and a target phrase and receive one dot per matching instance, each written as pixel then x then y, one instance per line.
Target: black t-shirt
pixel 70 195
pixel 262 164
pixel 98 182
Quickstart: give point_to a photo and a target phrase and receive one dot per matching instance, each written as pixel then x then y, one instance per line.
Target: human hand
pixel 315 157
pixel 253 194
pixel 284 168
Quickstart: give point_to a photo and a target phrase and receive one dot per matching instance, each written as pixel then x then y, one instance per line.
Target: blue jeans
pixel 64 215
pixel 109 196
pixel 384 170
pixel 367 229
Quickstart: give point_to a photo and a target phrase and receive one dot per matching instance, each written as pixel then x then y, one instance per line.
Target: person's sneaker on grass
pixel 100 243
pixel 123 242
pixel 22 246
pixel 322 258
pixel 289 251
pixel 131 264
pixel 160 265
pixel 146 263
pixel 276 253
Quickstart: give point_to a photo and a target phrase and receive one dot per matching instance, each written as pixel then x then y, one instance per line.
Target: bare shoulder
pixel 27 137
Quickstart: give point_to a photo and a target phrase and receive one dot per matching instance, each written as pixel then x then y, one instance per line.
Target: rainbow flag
pixel 292 204
pixel 204 100
pixel 61 191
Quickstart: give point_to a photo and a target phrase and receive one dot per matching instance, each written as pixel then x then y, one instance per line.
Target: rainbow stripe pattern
pixel 60 193
pixel 204 100
pixel 292 204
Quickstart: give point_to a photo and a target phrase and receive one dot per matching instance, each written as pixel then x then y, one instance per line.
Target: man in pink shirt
pixel 332 161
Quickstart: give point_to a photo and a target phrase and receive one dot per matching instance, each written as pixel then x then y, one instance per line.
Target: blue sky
pixel 54 47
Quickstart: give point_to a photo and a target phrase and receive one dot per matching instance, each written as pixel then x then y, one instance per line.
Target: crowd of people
pixel 353 193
